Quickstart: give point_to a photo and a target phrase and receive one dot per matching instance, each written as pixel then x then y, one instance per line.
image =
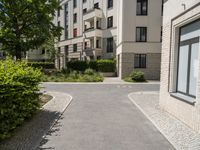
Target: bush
pixel 89 72
pixel 106 65
pixel 19 98
pixel 42 65
pixel 137 76
pixel 77 65
pixel 93 65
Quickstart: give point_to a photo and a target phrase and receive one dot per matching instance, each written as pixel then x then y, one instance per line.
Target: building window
pixel 75 3
pixel 75 18
pixel 141 34
pixel 140 61
pixel 96 5
pixel 85 11
pixel 110 22
pixel 142 6
pixel 59 26
pixel 75 32
pixel 84 1
pixel 110 45
pixel 110 3
pixel 187 71
pixel 66 21
pixel 58 12
pixel 161 34
pixel 75 48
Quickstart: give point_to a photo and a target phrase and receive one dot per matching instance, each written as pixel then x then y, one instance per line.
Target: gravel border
pixel 176 132
pixel 29 135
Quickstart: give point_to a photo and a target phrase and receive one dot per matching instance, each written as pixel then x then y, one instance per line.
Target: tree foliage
pixel 26 24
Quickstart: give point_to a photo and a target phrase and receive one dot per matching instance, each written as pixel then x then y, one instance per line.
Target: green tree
pixel 26 24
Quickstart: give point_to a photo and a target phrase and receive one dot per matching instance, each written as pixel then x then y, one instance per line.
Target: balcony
pixel 93 51
pixel 95 12
pixel 92 32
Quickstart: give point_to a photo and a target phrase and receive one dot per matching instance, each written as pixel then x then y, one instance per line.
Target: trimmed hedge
pixel 106 65
pixel 77 65
pixel 99 65
pixel 19 98
pixel 42 65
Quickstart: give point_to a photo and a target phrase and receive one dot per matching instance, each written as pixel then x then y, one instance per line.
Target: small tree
pixel 26 24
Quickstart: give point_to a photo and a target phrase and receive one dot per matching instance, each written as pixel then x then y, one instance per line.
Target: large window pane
pixel 183 69
pixel 193 69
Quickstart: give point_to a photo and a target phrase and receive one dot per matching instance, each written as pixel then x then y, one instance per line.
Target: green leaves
pixel 27 24
pixel 19 99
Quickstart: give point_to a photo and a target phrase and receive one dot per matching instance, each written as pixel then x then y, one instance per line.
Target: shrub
pixel 106 65
pixel 42 65
pixel 77 65
pixel 93 65
pixel 137 76
pixel 19 98
pixel 89 72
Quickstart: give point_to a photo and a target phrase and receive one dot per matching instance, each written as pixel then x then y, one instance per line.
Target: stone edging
pixel 59 103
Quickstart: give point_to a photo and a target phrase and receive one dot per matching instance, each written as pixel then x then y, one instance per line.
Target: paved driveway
pixel 101 117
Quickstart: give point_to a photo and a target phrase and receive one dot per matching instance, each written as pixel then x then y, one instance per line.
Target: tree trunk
pixel 18 52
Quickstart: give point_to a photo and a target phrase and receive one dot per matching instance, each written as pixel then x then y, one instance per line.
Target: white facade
pixel 180 66
pixel 88 30
pixel 127 44
pixel 99 41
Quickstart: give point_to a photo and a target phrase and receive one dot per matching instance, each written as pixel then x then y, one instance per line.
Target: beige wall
pixel 127 23
pixel 188 113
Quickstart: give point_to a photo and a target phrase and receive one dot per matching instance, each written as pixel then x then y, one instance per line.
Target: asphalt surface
pixel 101 117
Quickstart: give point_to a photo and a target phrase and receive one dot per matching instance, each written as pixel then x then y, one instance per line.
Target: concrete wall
pixel 190 11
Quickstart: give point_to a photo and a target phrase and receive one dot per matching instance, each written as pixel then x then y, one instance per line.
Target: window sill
pixel 185 98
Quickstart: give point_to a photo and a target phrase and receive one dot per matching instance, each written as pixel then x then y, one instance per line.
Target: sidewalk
pixel 179 135
pixel 29 135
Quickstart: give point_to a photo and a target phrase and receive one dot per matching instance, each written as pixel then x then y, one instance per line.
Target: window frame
pixel 110 22
pixel 140 36
pixel 189 43
pixel 110 4
pixel 140 66
pixel 110 47
pixel 75 33
pixel 142 13
pixel 75 49
pixel 75 18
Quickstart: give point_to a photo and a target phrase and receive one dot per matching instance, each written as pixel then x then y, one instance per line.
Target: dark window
pixel 75 32
pixel 84 1
pixel 142 6
pixel 66 21
pixel 58 11
pixel 141 34
pixel 96 5
pixel 66 50
pixel 98 43
pixel 59 26
pixel 110 3
pixel 75 18
pixel 84 10
pixel 140 61
pixel 75 3
pixel 162 7
pixel 109 45
pixel 75 47
pixel 43 51
pixel 110 22
pixel 161 34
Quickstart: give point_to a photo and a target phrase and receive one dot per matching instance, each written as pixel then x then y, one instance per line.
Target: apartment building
pixel 180 66
pixel 90 30
pixel 40 55
pixel 139 37
pixel 128 30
